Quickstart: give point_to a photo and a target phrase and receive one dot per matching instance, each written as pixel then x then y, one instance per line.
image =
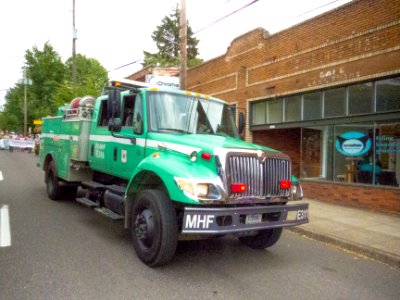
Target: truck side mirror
pixel 242 122
pixel 114 104
pixel 115 125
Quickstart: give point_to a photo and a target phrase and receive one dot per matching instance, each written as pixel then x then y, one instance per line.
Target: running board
pixel 87 202
pixel 109 213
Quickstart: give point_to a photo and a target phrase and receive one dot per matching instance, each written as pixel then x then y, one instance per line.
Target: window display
pixel 387 148
pixel 354 154
pixel 348 134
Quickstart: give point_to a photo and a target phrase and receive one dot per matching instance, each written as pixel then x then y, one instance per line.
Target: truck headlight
pixel 198 190
pixel 202 190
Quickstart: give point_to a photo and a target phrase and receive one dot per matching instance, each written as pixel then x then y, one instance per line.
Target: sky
pixel 117 32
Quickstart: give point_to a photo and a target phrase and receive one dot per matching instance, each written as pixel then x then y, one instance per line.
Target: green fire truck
pixel 172 166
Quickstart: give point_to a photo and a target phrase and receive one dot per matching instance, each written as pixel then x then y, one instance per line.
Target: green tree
pixel 50 86
pixel 46 71
pixel 12 117
pixel 91 78
pixel 166 37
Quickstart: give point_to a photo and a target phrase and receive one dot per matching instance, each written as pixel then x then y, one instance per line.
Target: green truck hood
pixel 204 142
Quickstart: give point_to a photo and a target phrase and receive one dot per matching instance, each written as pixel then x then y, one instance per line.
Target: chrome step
pixel 87 202
pixel 109 213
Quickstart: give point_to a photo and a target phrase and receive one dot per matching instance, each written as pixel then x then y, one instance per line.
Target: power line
pixel 216 21
pixel 128 64
pixel 224 17
pixel 230 14
pixel 321 6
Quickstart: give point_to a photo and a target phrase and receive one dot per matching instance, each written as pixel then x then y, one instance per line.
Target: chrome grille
pixel 261 177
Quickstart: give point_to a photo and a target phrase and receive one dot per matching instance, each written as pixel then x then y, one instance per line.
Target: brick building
pixel 335 75
pixel 327 93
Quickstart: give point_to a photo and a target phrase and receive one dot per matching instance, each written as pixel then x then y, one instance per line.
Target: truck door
pixel 100 139
pixel 129 151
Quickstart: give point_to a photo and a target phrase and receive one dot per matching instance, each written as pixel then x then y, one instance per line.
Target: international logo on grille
pixel 262 156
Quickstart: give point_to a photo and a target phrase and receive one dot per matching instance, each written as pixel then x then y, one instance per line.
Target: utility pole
pixel 183 44
pixel 74 37
pixel 25 103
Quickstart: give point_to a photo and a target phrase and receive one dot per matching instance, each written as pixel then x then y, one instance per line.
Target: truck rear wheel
pixel 263 239
pixel 54 190
pixel 154 228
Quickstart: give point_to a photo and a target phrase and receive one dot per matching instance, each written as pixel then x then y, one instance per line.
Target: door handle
pixel 115 153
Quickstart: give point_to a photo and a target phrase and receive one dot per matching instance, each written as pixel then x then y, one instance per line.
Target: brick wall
pixel 371 197
pixel 357 41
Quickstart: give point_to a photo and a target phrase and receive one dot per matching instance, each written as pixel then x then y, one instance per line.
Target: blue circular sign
pixel 353 143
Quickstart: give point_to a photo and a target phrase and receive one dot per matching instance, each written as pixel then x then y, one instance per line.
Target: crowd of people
pixel 20 142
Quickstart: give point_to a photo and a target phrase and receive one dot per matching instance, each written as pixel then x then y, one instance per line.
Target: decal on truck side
pixel 99 150
pixel 199 221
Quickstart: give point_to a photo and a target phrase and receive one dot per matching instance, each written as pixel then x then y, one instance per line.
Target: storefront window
pixel 275 111
pixel 259 113
pixel 388 94
pixel 354 159
pixel 387 148
pixel 366 152
pixel 293 108
pixel 361 98
pixel 314 152
pixel 335 102
pixel 312 106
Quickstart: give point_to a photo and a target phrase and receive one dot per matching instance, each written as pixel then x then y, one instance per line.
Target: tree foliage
pixel 91 78
pixel 166 37
pixel 46 70
pixel 50 86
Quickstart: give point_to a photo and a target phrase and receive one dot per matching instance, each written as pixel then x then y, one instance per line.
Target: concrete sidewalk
pixel 373 234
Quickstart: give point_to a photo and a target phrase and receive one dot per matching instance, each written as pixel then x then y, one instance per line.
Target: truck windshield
pixel 176 113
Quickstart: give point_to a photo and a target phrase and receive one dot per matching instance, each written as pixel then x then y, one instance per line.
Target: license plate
pixel 297 215
pixel 302 214
pixel 253 219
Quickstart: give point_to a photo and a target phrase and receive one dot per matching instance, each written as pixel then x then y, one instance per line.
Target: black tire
pixel 54 190
pixel 154 228
pixel 263 239
pixel 69 192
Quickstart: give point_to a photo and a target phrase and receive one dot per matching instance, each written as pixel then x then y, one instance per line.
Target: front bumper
pixel 224 220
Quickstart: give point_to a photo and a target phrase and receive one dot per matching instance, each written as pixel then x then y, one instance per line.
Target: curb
pixel 373 253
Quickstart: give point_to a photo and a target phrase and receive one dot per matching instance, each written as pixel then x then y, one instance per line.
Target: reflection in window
pixel 259 113
pixel 361 98
pixel 335 102
pixel 388 94
pixel 314 150
pixel 293 108
pixel 103 120
pixel 387 148
pixel 275 110
pixel 312 106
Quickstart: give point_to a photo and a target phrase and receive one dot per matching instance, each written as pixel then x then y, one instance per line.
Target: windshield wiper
pixel 172 130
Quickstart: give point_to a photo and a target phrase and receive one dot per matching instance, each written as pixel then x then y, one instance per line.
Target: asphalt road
pixel 62 250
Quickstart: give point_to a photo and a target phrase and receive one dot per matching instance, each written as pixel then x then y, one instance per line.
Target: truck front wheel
pixel 263 239
pixel 154 228
pixel 52 186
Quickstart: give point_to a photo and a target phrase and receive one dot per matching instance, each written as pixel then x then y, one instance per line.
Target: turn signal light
pixel 284 184
pixel 206 156
pixel 238 187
